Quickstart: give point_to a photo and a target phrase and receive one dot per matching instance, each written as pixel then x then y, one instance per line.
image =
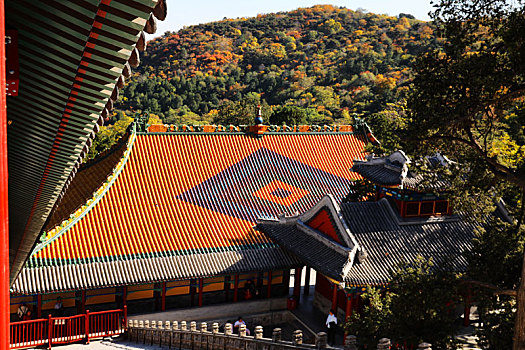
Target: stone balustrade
pixel 177 335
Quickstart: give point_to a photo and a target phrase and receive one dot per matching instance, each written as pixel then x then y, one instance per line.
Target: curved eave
pixel 72 57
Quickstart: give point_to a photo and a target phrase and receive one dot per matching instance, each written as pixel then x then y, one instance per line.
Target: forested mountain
pixel 326 61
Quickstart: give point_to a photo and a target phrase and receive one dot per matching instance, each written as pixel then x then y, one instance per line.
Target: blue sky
pixel 185 13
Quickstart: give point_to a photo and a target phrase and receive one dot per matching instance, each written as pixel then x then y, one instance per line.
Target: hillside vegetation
pixel 321 64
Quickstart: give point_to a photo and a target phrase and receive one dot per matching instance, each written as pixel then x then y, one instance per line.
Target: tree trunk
pixel 519 324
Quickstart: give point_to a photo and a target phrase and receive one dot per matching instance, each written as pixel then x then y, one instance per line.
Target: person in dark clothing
pixel 59 308
pixel 331 325
pixel 249 290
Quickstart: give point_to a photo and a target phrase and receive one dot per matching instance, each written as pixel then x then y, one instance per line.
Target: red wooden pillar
pixel 236 288
pixel 163 297
pixel 39 305
pixel 269 286
pixel 349 302
pixel 83 302
pixel 86 327
pixel 286 281
pixel 306 290
pixel 201 287
pixel 466 312
pixel 125 296
pixel 192 292
pixel 227 288
pixel 4 209
pixel 50 330
pixel 334 298
pixel 297 284
pixel 348 311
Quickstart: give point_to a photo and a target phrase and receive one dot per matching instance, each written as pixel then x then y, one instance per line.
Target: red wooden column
pixel 201 287
pixel 466 312
pixel 39 305
pixel 163 297
pixel 83 302
pixel 192 292
pixel 297 283
pixel 269 286
pixel 348 311
pixel 286 280
pixel 4 210
pixel 236 288
pixel 125 296
pixel 349 302
pixel 334 298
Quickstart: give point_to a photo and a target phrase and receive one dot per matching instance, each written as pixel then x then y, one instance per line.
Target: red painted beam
pixel 4 210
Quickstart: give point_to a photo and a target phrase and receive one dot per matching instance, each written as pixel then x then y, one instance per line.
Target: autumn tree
pixel 418 306
pixel 467 100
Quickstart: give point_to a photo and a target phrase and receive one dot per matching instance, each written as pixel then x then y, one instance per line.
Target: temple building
pixel 167 218
pixel 358 244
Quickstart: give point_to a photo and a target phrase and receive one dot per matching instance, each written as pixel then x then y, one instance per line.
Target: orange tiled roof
pixel 199 193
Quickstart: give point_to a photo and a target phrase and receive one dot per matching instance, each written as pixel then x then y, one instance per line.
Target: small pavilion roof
pixel 382 237
pixel 182 203
pixel 394 171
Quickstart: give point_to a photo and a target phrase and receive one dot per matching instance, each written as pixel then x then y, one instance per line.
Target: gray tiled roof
pixel 385 238
pixel 136 271
pixel 385 171
pixel 312 252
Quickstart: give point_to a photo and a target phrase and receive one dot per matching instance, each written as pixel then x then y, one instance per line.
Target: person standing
pixel 331 325
pixel 59 308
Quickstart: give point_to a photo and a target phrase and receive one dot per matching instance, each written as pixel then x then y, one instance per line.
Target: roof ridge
pixel 218 128
pixel 59 230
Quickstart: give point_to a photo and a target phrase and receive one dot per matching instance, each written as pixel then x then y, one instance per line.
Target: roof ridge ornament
pixel 247 129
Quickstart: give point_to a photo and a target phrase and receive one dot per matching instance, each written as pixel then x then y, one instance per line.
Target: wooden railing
pixel 66 330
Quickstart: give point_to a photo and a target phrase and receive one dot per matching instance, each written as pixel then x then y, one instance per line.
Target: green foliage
pixel 371 325
pixel 362 190
pixel 289 115
pixel 326 60
pixel 389 127
pixel 418 307
pixel 241 112
pixel 498 315
pixel 497 242
pixel 423 303
pixel 467 100
pixel 108 136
